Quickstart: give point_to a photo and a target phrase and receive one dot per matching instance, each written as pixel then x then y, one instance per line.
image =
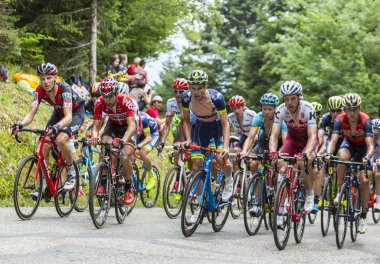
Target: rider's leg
pixel 126 163
pixel 365 196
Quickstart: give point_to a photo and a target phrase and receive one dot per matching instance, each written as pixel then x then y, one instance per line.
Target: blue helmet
pixel 269 99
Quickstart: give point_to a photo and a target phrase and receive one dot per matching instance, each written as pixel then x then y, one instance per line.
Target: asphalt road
pixel 148 235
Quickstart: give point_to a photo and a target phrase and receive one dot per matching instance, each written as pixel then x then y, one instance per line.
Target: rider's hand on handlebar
pixel 53 130
pixel 186 144
pixel 365 161
pixel 273 155
pixel 94 140
pixel 326 157
pixel 15 128
pixel 160 146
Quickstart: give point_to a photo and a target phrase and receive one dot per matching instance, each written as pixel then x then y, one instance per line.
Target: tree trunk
pixel 94 32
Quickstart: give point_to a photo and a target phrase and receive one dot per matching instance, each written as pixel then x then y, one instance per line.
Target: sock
pixel 229 178
pixel 378 198
pixel 364 213
pixel 281 177
pixel 316 199
pixel 309 192
pixel 128 184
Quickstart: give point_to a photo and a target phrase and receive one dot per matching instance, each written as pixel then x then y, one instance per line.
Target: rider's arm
pixel 131 130
pixel 337 128
pixel 369 139
pixel 166 129
pixel 311 139
pixel 186 124
pixel 68 117
pixel 322 148
pixel 321 133
pixel 225 131
pixel 98 114
pixel 250 139
pixel 273 140
pixel 29 116
pixel 147 137
pixel 104 123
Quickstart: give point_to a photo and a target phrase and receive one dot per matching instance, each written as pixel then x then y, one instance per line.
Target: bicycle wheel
pixel 236 202
pixel 99 204
pixel 65 200
pixel 299 202
pixel 327 205
pixel 191 202
pixel 172 192
pixel 84 185
pixel 120 207
pixel 135 176
pixel 355 209
pixel 219 217
pixel 375 214
pixel 281 215
pixel 150 197
pixel 25 184
pixel 253 205
pixel 341 218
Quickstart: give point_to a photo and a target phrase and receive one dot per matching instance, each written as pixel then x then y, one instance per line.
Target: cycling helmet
pixel 269 99
pixel 291 87
pixel 317 106
pixel 197 77
pixel 123 88
pixel 108 87
pixel 376 125
pixel 180 84
pixel 47 69
pixel 335 102
pixel 236 100
pixel 351 100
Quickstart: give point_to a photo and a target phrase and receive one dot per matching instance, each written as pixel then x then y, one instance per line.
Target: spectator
pixel 140 76
pixel 122 69
pixel 140 96
pixel 111 69
pixel 153 112
pixel 134 65
pixel 3 74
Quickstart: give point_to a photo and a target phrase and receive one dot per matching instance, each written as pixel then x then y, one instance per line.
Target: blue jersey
pixel 217 100
pixel 148 123
pixel 258 123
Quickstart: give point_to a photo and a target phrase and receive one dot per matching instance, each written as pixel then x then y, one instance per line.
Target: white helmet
pixel 123 88
pixel 291 87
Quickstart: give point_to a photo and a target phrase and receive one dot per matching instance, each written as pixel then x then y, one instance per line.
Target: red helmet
pixel 108 87
pixel 180 84
pixel 236 100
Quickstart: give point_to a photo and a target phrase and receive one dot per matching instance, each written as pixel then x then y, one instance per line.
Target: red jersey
pixel 64 98
pixel 363 128
pixel 124 108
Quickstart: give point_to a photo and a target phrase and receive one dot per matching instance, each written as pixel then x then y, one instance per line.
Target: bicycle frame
pixel 51 183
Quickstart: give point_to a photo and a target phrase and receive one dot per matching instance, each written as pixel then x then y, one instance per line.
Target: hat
pixel 157 98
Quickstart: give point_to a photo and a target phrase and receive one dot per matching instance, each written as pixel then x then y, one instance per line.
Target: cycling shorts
pixel 357 152
pixel 292 146
pixel 261 146
pixel 118 131
pixel 337 146
pixel 73 127
pixel 177 137
pixel 202 133
pixel 238 146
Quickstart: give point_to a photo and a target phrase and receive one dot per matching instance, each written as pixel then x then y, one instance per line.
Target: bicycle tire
pixel 280 195
pixel 326 207
pixel 62 196
pixel 299 202
pixel 355 208
pixel 375 214
pixel 99 205
pixel 30 205
pixel 236 204
pixel 149 198
pixel 220 216
pixel 250 200
pixel 189 202
pixel 172 209
pixel 84 186
pixel 121 210
pixel 341 214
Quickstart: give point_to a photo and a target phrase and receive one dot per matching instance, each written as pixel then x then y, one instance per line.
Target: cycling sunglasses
pixel 179 91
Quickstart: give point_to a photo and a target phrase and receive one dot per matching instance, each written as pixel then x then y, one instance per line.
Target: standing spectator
pixel 111 70
pixel 137 84
pixel 153 112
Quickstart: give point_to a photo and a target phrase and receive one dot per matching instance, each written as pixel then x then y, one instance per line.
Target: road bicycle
pixel 33 173
pixel 205 195
pixel 289 203
pixel 371 204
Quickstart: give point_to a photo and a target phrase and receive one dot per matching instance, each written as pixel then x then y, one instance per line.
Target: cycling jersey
pixel 149 124
pixel 249 115
pixel 172 108
pixel 258 123
pixel 218 106
pixel 64 98
pixel 327 124
pixel 125 107
pixel 376 153
pixel 306 118
pixel 363 129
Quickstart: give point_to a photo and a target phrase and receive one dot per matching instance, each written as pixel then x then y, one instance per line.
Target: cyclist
pixel 67 117
pixel 146 143
pixel 240 119
pixel 376 160
pixel 318 111
pixel 324 136
pixel 357 143
pixel 261 127
pixel 121 126
pixel 299 117
pixel 209 107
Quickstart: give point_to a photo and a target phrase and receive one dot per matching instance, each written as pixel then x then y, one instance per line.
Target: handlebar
pixel 35 131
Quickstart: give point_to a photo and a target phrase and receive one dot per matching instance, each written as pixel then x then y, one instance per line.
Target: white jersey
pixel 249 115
pixel 172 108
pixel 306 118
